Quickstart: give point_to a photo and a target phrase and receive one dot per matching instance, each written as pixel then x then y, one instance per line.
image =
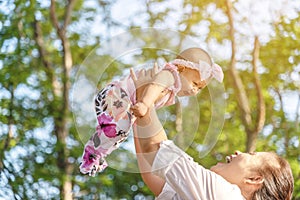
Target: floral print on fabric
pixel 92 159
pixel 106 124
pixel 114 119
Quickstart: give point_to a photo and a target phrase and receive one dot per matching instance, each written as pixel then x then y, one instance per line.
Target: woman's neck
pixel 247 195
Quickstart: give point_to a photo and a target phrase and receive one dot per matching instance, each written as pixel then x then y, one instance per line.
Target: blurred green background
pixel 43 44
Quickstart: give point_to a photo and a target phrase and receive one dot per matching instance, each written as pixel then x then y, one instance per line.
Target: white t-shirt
pixel 186 179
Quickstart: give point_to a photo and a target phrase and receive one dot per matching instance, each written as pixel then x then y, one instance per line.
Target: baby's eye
pixel 197 85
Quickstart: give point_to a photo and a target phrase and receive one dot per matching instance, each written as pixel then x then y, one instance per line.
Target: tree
pixel 252 127
pixel 44 43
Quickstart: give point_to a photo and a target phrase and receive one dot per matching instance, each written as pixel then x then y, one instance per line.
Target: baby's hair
pixel 195 54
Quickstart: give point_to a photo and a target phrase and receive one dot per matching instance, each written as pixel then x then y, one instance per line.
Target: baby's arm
pixel 153 92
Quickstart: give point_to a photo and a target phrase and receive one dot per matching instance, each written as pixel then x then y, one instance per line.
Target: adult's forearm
pixel 154 182
pixel 150 133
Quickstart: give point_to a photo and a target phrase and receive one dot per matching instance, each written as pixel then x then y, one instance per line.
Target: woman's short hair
pixel 278 180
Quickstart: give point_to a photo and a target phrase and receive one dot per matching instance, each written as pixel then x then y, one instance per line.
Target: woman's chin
pixel 217 167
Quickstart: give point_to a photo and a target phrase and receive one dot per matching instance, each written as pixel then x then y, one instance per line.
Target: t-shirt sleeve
pixel 189 179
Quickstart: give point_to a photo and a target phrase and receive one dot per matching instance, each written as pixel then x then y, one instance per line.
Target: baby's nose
pixel 195 89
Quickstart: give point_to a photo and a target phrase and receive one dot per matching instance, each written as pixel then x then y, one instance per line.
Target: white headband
pixel 205 70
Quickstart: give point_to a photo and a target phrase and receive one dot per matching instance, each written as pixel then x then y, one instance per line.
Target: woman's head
pixel 260 175
pixel 278 181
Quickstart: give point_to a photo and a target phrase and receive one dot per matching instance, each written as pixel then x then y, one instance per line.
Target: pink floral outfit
pixel 112 105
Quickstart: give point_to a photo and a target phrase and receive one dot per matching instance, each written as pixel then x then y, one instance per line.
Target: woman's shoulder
pixel 226 190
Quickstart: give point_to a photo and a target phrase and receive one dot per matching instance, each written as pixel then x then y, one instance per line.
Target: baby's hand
pixel 145 77
pixel 139 109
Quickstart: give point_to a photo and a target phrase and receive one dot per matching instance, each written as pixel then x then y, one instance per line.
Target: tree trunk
pixel 297 113
pixel 6 144
pixel 284 125
pixel 251 142
pixel 61 122
pixel 252 127
pixel 237 81
pixel 261 108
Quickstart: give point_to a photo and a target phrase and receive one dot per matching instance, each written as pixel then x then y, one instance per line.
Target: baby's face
pixel 191 82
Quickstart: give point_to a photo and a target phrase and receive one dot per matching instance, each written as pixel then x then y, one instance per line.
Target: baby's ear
pixel 180 68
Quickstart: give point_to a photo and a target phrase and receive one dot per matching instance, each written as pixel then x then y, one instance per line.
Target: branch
pixel 10 123
pixel 297 114
pixel 54 19
pixel 69 10
pixel 277 90
pixel 261 108
pixel 243 101
pixel 61 30
pixel 67 59
pixel 38 35
pixel 61 123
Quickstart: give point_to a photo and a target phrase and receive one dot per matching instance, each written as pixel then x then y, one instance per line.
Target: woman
pixel 171 174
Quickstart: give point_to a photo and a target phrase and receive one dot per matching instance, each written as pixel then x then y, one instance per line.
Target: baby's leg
pixel 95 151
pixel 112 106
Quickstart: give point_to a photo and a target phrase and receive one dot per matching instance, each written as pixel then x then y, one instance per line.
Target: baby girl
pixel 190 72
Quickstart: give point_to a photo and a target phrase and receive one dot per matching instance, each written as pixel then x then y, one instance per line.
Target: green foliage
pixel 30 108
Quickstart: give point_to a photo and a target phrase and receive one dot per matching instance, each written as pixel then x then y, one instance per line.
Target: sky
pixel 259 16
pixel 258 12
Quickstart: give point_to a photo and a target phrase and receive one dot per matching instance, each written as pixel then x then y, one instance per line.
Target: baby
pixel 185 76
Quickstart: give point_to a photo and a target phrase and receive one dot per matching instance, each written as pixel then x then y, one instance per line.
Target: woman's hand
pixel 139 109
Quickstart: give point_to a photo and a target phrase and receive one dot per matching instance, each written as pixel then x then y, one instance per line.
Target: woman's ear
pixel 254 180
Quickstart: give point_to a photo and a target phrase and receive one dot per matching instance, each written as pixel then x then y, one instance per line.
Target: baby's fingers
pixel 154 69
pixel 133 75
pixel 134 110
